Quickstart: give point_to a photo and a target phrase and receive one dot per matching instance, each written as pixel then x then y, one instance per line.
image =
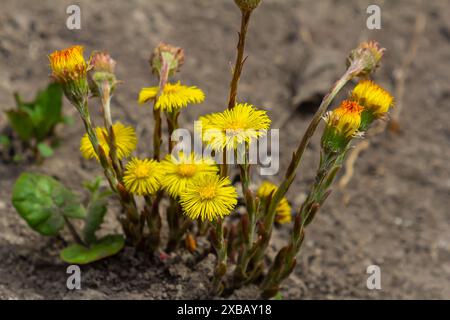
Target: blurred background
pixel 393 212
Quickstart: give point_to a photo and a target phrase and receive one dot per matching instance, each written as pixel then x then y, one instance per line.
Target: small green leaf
pixel 278 296
pixel 92 186
pixel 43 203
pixel 45 150
pixel 37 119
pixel 105 247
pixel 17 158
pixel 96 209
pixel 21 123
pixel 95 214
pixel 47 111
pixel 4 140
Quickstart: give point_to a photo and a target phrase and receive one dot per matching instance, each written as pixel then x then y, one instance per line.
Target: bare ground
pixel 395 211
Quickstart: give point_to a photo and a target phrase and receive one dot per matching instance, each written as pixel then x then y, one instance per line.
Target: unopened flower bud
pixel 167 56
pixel 247 5
pixel 102 62
pixel 101 69
pixel 365 58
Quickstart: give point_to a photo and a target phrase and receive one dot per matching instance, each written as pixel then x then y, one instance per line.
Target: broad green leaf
pixel 45 150
pixel 21 123
pixel 105 247
pixel 43 203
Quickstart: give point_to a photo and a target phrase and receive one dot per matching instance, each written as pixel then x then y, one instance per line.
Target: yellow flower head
pixel 125 138
pixel 142 177
pixel 243 123
pixel 345 119
pixel 208 196
pixel 173 97
pixel 68 64
pixel 283 210
pixel 372 97
pixel 178 171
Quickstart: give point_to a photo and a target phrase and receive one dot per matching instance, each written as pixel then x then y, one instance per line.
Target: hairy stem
pixel 245 19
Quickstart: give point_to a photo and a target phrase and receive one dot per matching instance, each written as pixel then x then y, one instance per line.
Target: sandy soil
pixel 395 211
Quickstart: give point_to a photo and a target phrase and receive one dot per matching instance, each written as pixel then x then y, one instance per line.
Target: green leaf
pixel 94 185
pixel 96 210
pixel 41 115
pixel 47 111
pixel 21 123
pixel 17 158
pixel 4 140
pixel 278 296
pixel 43 203
pixel 105 247
pixel 45 150
pixel 95 214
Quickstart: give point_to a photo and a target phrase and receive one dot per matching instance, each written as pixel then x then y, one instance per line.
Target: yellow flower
pixel 68 64
pixel 208 196
pixel 125 137
pixel 243 123
pixel 142 177
pixel 174 96
pixel 178 171
pixel 70 69
pixel 372 97
pixel 283 210
pixel 345 119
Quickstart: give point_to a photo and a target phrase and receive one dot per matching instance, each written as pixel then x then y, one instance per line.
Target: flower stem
pixel 298 154
pixel 330 163
pixel 130 225
pixel 220 246
pixel 105 92
pixel 245 19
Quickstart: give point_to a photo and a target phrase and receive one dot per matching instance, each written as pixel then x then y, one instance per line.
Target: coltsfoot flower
pixel 342 124
pixel 375 100
pixel 283 210
pixel 178 171
pixel 70 69
pixel 243 123
pixel 142 177
pixel 125 138
pixel 173 97
pixel 208 197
